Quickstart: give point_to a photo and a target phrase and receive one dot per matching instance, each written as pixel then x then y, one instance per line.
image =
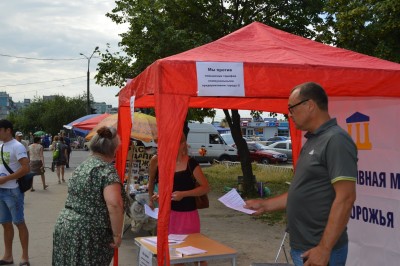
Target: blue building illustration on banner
pixel 359 121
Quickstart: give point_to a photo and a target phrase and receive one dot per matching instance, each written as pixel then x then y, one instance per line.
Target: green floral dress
pixel 82 234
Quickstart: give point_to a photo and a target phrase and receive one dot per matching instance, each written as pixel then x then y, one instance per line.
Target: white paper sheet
pixel 189 250
pixel 152 240
pixel 220 79
pixel 177 237
pixel 149 212
pixel 233 200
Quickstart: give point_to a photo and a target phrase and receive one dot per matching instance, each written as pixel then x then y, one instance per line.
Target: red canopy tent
pixel 273 63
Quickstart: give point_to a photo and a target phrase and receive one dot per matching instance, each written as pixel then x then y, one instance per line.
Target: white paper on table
pixel 152 240
pixel 149 212
pixel 189 250
pixel 177 237
pixel 233 200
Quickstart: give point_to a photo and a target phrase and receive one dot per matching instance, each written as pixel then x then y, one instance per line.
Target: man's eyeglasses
pixel 290 108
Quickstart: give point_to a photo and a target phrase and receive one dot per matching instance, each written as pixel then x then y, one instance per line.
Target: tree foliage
pixel 160 28
pixel 370 27
pixel 49 115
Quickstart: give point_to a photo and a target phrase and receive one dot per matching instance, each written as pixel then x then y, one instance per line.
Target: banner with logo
pixel 374 229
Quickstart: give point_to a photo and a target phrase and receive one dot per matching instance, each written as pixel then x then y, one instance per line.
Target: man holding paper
pixel 322 192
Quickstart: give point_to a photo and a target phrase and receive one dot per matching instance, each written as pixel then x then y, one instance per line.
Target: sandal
pixel 59 182
pixel 32 189
pixel 25 263
pixel 4 262
pixel 63 180
pixel 45 187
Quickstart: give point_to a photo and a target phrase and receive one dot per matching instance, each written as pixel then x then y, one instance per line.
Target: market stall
pixel 264 64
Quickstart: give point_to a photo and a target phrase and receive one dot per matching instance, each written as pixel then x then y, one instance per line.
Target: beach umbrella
pixel 144 126
pixel 89 124
pixel 39 133
pixel 78 131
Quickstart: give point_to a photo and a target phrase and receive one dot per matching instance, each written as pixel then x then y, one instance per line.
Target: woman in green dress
pixel 89 227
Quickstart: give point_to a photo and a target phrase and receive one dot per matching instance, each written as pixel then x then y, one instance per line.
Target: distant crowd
pixel 47 140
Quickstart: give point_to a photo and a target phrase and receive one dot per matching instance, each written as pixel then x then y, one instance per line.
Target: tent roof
pixel 274 62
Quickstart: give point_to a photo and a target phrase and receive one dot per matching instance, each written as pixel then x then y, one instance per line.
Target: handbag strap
pixel 191 172
pixel 4 162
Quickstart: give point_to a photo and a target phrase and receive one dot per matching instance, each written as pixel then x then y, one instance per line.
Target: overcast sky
pixel 54 29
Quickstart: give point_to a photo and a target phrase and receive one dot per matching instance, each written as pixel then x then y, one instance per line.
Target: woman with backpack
pixel 60 157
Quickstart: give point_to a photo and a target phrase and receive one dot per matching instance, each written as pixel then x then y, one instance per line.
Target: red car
pixel 259 153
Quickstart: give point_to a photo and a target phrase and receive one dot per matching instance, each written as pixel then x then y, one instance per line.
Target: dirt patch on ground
pixel 255 240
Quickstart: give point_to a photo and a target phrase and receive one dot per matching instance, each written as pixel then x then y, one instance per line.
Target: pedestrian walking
pixel 19 136
pixel 14 154
pixel 35 151
pixel 60 160
pixel 67 142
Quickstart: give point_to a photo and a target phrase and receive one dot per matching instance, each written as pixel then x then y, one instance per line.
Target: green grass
pixel 221 177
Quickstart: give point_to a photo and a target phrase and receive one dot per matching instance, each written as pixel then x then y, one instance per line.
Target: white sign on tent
pixel 220 79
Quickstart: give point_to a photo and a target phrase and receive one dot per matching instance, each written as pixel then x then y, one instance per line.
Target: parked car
pixel 282 147
pixel 228 138
pixel 255 138
pixel 275 139
pixel 261 139
pixel 259 153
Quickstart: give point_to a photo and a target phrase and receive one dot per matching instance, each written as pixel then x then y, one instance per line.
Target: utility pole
pixel 88 110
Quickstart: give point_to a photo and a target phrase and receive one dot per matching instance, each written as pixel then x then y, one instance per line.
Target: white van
pixel 207 137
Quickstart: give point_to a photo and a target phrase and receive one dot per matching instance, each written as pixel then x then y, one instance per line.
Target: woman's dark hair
pixel 37 139
pixel 105 142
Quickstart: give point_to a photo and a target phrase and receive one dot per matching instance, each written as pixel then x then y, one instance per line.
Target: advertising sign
pixel 374 229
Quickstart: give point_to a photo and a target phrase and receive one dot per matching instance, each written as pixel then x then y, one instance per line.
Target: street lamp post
pixel 88 79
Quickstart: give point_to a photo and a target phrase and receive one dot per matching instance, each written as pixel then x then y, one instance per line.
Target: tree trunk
pixel 249 181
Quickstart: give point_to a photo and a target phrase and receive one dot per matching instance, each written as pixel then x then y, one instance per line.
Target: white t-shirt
pixel 13 151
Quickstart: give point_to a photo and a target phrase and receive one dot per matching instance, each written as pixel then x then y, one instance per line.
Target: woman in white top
pixel 35 151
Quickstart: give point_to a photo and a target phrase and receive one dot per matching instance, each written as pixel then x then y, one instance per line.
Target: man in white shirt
pixel 14 154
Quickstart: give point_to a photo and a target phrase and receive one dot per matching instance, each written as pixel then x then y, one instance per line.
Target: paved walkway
pixel 41 211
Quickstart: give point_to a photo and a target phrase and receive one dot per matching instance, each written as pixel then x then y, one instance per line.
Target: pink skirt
pixel 184 222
